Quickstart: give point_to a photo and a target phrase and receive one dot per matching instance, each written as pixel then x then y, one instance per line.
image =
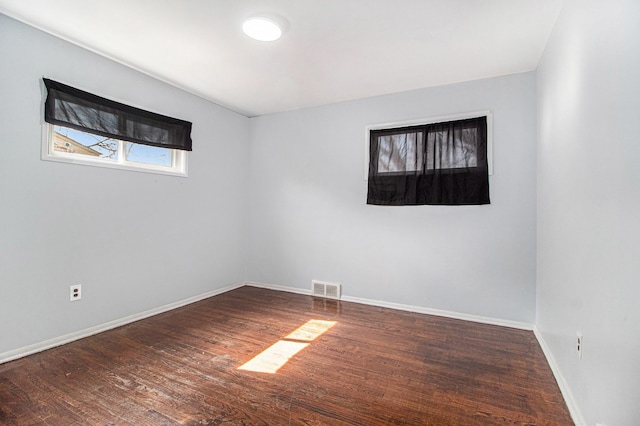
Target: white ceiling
pixel 334 50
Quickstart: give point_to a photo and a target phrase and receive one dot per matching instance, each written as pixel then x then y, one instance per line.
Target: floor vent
pixel 328 290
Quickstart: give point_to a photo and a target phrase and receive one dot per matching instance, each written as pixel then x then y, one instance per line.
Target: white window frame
pixel 178 158
pixel 431 120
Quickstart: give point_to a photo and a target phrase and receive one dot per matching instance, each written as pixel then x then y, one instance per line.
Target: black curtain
pixel 436 164
pixel 71 107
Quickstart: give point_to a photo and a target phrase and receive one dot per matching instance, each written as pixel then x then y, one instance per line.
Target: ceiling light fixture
pixel 264 28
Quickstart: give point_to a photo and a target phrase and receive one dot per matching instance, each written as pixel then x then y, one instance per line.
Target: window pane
pixel 147 154
pixel 80 143
pixel 400 153
pixel 452 149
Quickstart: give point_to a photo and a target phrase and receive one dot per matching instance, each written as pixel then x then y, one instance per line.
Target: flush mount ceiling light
pixel 264 28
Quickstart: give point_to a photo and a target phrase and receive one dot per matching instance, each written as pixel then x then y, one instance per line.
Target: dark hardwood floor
pixel 374 366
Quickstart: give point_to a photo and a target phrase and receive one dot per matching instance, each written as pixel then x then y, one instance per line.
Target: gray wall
pixel 135 241
pixel 308 217
pixel 589 205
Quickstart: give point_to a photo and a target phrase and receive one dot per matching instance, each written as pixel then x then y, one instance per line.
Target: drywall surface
pixel 135 241
pixel 589 205
pixel 308 217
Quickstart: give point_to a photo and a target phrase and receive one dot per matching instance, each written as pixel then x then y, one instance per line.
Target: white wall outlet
pixel 579 344
pixel 75 292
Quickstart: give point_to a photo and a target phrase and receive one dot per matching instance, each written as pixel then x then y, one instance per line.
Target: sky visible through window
pixel 108 148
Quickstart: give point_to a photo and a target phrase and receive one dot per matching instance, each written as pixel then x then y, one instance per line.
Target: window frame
pixel 431 120
pixel 178 157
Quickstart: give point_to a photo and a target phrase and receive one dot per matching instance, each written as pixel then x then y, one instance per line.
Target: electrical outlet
pixel 579 344
pixel 75 292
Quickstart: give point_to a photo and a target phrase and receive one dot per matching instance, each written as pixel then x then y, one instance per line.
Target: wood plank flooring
pixel 375 366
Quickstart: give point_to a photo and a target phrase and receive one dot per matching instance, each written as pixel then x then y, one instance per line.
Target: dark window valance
pixel 439 163
pixel 71 107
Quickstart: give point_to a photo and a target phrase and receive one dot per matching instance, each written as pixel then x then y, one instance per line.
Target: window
pixel 444 163
pixel 73 146
pixel 87 129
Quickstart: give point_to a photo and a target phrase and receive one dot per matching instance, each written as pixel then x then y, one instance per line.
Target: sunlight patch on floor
pixel 274 357
pixel 271 359
pixel 311 330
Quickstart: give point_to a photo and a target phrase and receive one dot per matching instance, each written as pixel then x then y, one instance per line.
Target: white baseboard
pixel 278 287
pixel 409 308
pixel 575 412
pixel 442 313
pixel 68 338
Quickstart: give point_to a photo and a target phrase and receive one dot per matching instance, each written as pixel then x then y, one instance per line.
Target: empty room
pixel 338 212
